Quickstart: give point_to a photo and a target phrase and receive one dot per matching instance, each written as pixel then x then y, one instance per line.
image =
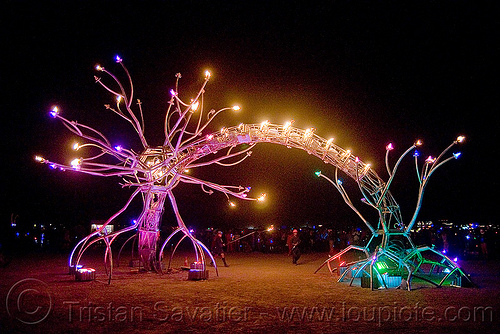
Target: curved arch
pixel 370 184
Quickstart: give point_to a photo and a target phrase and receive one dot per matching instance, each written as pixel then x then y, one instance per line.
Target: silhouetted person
pixel 218 247
pixel 295 246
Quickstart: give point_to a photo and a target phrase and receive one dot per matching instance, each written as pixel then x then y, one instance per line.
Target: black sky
pixel 367 73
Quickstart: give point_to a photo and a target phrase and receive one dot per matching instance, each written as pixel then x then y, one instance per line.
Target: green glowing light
pixel 382 265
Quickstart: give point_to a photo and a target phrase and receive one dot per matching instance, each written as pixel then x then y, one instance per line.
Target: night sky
pixel 367 73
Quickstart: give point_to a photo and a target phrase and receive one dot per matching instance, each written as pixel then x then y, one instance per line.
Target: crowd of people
pixel 470 241
pixel 474 242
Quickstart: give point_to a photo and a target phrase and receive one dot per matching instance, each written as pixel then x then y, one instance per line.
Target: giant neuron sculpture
pixel 154 171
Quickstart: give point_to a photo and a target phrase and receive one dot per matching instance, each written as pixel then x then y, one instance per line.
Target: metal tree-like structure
pixel 390 253
pixel 154 171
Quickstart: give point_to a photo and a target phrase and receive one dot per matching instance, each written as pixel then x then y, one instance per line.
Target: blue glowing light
pixel 416 154
pixel 457 155
pixel 318 173
pixel 53 113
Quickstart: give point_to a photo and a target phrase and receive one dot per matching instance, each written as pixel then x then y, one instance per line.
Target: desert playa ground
pixel 256 293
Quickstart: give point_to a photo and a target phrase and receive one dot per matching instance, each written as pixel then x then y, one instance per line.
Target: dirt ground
pixel 257 293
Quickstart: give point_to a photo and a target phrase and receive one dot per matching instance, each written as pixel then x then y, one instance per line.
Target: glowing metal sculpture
pixel 390 251
pixel 156 170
